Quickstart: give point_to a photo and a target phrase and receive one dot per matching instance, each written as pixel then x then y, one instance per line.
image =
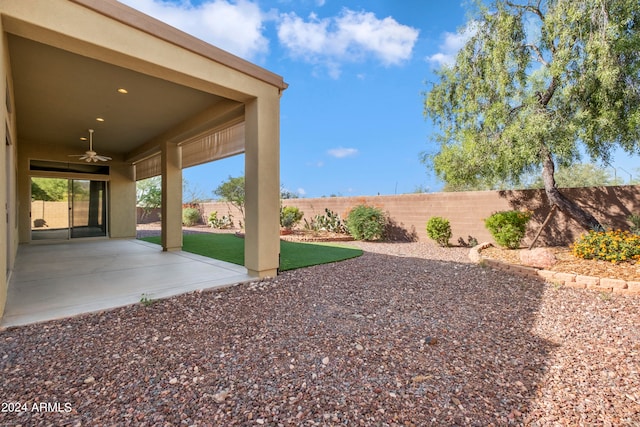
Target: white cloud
pixel 235 26
pixel 351 36
pixel 342 152
pixel 453 42
pixel 301 192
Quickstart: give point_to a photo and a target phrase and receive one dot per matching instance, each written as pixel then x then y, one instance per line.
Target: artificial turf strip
pixel 229 248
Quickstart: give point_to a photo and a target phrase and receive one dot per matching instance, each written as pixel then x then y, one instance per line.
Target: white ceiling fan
pixel 91 156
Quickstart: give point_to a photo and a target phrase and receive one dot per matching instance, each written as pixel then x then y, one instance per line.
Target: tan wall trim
pixel 133 18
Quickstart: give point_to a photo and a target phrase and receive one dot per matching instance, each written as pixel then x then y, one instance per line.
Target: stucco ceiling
pixel 59 95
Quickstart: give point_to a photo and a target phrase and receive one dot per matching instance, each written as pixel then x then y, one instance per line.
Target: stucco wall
pixel 466 211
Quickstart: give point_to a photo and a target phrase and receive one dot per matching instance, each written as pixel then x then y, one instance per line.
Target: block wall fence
pixel 467 210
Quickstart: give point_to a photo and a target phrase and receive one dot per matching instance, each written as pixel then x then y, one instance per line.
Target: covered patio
pixel 153 101
pixel 52 281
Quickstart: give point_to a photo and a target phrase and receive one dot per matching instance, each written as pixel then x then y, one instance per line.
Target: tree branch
pixel 545 98
pixel 536 50
pixel 533 9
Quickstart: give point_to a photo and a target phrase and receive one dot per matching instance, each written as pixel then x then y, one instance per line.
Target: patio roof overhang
pixel 69 58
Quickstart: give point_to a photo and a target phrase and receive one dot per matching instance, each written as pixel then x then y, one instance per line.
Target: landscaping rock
pixel 510 351
pixel 538 257
pixel 474 253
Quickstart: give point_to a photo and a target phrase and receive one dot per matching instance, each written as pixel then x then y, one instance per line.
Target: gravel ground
pixel 407 334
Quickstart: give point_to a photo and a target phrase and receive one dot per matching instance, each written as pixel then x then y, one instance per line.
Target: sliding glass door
pixel 68 208
pixel 87 208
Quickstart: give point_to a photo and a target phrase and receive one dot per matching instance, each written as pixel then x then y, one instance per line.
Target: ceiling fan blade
pixel 91 156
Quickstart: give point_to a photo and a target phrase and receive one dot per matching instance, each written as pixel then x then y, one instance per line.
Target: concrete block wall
pixel 466 211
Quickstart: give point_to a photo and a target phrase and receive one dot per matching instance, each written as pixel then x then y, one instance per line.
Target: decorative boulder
pixel 538 258
pixel 474 253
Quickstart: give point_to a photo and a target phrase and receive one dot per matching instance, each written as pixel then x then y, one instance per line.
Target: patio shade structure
pixel 158 99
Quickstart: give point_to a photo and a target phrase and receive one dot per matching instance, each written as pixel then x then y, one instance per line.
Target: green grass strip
pixel 229 248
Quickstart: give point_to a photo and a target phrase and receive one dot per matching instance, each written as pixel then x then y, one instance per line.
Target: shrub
pixel 290 216
pixel 439 229
pixel 634 219
pixel 366 223
pixel 508 227
pixel 330 222
pixel 190 216
pixel 614 246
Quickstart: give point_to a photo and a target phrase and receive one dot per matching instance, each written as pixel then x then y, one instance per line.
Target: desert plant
pixel 471 241
pixel 508 227
pixel 290 216
pixel 614 246
pixel 330 222
pixel 366 223
pixel 220 223
pixel 634 219
pixel 439 229
pixel 190 216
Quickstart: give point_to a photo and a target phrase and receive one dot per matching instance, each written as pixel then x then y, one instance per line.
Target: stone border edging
pixel 311 239
pixel 577 281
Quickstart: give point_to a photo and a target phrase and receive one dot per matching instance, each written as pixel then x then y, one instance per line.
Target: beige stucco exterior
pixel 217 90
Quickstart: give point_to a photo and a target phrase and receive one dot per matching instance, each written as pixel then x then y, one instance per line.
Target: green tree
pixel 579 175
pixel 537 81
pixel 149 193
pixel 232 191
pixel 49 189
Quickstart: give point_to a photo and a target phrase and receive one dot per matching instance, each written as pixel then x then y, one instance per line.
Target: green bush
pixel 290 216
pixel 190 216
pixel 439 229
pixel 366 223
pixel 508 227
pixel 614 246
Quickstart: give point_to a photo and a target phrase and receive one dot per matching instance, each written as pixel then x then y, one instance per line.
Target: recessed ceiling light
pixel 83 138
pixel 123 90
pixel 100 119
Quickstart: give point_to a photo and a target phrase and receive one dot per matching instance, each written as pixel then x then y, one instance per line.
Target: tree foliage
pixel 232 191
pixel 538 82
pixel 49 189
pixel 149 193
pixel 580 175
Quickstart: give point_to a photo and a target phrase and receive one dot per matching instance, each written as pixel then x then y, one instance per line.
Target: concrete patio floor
pixel 57 280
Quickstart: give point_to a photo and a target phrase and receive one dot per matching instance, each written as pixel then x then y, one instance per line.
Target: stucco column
pixel 171 197
pixel 262 185
pixel 122 201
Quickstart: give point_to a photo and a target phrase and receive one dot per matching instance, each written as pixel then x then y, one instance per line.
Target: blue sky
pixel 352 119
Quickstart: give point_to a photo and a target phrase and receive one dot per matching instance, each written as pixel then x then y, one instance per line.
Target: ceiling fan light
pixel 90 155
